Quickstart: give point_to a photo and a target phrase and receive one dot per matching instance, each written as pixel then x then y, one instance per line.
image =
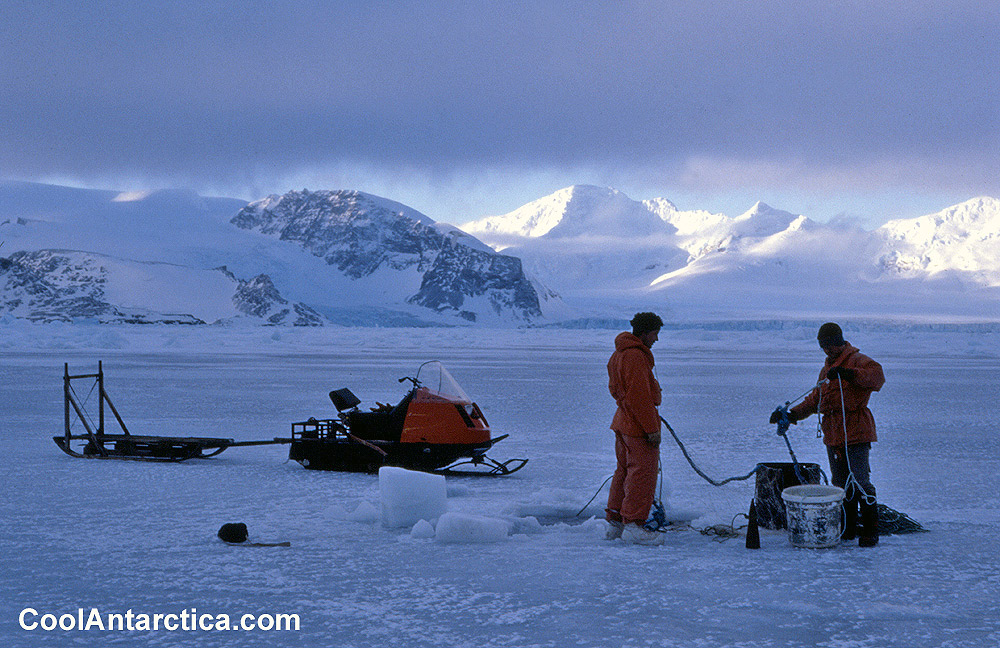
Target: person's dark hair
pixel 645 322
pixel 830 334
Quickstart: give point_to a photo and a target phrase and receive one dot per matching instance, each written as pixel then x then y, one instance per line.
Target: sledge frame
pixel 100 444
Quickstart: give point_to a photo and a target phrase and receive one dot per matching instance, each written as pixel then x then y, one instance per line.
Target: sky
pixel 864 110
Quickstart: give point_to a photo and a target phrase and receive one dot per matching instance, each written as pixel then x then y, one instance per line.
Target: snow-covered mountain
pixel 437 267
pixel 763 263
pixel 961 240
pixel 305 258
pixel 68 286
pixel 582 253
pixel 584 239
pixel 576 211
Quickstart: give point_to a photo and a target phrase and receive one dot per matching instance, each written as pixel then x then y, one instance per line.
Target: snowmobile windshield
pixel 436 379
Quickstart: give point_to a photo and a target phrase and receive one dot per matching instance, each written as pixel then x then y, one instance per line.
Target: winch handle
pixel 782 418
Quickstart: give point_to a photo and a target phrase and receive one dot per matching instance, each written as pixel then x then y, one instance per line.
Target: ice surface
pixel 132 535
pixel 408 496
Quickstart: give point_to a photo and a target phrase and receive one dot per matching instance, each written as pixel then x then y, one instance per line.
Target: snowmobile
pixel 436 427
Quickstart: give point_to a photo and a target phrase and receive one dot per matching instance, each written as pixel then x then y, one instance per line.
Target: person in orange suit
pixel 846 383
pixel 636 425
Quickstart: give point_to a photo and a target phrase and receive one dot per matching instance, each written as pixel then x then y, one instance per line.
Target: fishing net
pixel 772 478
pixel 892 522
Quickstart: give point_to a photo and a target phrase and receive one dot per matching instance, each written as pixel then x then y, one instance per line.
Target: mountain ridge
pixel 590 254
pixel 360 234
pixel 355 279
pixel 767 260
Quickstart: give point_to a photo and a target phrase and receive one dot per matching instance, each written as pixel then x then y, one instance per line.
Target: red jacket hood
pixel 626 340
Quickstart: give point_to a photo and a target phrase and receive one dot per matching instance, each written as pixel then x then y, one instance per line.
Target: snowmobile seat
pixel 381 425
pixel 344 399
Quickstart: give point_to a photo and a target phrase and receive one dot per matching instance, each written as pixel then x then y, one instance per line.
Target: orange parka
pixel 634 387
pixel 825 399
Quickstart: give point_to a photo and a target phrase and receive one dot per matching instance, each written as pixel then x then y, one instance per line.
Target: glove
pixel 776 416
pixel 840 372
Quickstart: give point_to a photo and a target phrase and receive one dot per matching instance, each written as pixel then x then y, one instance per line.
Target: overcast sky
pixel 467 108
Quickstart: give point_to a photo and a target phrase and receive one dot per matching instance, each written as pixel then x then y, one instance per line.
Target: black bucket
pixel 772 478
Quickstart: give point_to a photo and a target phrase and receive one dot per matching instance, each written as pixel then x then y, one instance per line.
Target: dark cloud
pixel 236 92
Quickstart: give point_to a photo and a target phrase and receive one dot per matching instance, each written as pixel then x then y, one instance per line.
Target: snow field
pixel 141 536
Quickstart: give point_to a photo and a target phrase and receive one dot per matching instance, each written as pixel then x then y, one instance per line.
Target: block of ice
pixel 409 496
pixel 459 528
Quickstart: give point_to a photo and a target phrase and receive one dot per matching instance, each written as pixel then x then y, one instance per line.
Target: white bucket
pixel 814 515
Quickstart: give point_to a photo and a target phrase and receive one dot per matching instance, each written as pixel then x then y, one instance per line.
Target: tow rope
pixel 658 513
pixel 698 470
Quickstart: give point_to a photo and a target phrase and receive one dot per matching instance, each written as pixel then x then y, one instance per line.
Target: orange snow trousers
pixel 634 481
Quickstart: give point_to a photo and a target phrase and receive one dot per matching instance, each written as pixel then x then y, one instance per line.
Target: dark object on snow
pixel 434 428
pixel 753 533
pixel 657 516
pixel 772 478
pixel 233 532
pixel 102 445
pixel 892 522
pixel 236 533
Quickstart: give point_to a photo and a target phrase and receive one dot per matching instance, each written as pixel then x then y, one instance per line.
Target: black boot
pixel 850 519
pixel 868 532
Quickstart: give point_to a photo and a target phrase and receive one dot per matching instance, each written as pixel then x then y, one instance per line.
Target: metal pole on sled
pixel 66 401
pixel 69 400
pixel 96 436
pixel 101 396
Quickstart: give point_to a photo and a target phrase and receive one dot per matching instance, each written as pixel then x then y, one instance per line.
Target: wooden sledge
pixel 98 444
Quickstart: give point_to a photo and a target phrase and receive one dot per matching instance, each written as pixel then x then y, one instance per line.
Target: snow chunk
pixel 365 513
pixel 524 525
pixel 459 528
pixel 422 530
pixel 409 496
